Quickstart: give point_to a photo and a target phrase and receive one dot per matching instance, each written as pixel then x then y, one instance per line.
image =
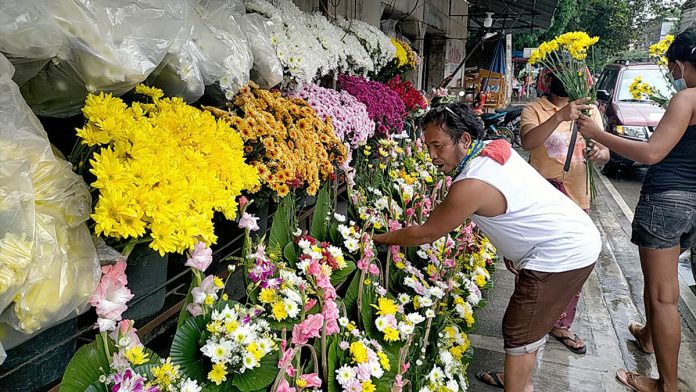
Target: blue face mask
pixel 679 84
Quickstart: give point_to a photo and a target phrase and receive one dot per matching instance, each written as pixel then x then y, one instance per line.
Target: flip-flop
pixel 481 376
pixel 628 379
pixel 566 339
pixel 633 330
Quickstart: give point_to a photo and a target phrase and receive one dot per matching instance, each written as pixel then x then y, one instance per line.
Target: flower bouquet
pixel 290 146
pixel 566 57
pixel 384 106
pixel 640 89
pixel 160 170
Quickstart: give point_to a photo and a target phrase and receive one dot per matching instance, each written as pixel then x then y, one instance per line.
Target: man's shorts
pixel 537 302
pixel 665 220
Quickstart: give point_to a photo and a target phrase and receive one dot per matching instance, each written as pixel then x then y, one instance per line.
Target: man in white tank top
pixel 552 243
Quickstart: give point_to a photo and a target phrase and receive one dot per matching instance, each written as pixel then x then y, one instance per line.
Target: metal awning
pixel 512 15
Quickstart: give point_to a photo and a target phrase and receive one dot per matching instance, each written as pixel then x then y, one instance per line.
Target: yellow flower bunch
pixel 658 50
pixel 575 43
pixel 401 56
pixel 284 139
pixel 162 169
pixel 638 88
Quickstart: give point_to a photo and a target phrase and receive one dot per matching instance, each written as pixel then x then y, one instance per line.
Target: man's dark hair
pixel 556 87
pixel 455 119
pixel 684 47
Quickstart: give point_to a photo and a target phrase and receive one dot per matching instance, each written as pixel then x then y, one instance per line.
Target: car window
pixel 608 81
pixel 652 76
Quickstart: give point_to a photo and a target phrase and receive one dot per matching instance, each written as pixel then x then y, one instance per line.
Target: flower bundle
pixel 290 146
pixel 448 373
pixel 360 361
pixel 401 57
pixel 566 57
pixel 412 98
pixel 161 169
pixel 349 117
pixel 404 61
pixel 659 49
pixel 640 90
pixel 393 321
pixel 384 106
pixel 377 44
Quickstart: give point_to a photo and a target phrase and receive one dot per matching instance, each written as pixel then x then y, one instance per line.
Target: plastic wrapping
pixel 108 45
pixel 228 57
pixel 28 38
pixel 48 262
pixel 268 70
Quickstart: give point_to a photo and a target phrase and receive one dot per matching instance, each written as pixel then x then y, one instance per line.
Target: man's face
pixel 445 154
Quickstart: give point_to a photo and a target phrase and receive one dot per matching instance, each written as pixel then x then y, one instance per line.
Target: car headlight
pixel 636 132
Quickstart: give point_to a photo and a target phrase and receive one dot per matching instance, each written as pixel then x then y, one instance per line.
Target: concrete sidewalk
pixel 612 297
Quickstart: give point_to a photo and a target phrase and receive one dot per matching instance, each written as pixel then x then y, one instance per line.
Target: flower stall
pixel 246 162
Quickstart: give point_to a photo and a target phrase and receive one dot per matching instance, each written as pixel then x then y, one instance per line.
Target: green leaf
pixel 86 366
pixel 332 365
pixel 351 298
pixel 340 276
pixel 280 228
pixel 259 378
pixel 185 350
pixel 366 310
pixel 334 234
pixel 322 209
pixel 290 254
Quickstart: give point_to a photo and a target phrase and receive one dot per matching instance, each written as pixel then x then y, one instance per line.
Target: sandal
pixel 629 379
pixel 481 376
pixel 566 339
pixel 634 329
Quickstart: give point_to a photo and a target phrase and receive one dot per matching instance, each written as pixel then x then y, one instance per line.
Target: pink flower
pixel 194 309
pixel 243 202
pixel 286 355
pixel 330 313
pixel 125 335
pixel 314 268
pixel 312 380
pixel 284 386
pixel 201 257
pixel 310 304
pixel 248 222
pixel 111 295
pixel 344 345
pixel 309 328
pixel 363 372
pixel 399 384
pixel 363 265
pixel 374 270
pixel 354 386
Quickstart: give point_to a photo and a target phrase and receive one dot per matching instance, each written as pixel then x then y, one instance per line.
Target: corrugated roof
pixel 517 15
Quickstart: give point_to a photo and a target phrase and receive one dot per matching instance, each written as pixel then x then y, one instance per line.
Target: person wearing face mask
pixel 552 243
pixel 665 217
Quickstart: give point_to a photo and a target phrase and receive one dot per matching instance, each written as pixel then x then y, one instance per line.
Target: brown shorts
pixel 538 301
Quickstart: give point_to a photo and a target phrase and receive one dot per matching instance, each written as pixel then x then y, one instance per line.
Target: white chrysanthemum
pixel 436 292
pixel 453 386
pixel 229 314
pixel 404 298
pixel 249 361
pixel 344 375
pixel 304 244
pixel 446 357
pixel 343 321
pixel 189 385
pixel 339 217
pixel 422 254
pixel 376 370
pixel 292 295
pixel 415 318
pixel 218 352
pixel 352 244
pixel 429 313
pixel 426 301
pixel 292 308
pixel 436 374
pixel 381 323
pixel 405 329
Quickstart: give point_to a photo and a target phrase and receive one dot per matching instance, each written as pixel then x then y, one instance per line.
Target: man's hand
pixel 378 238
pixel 588 127
pixel 572 110
pixel 598 153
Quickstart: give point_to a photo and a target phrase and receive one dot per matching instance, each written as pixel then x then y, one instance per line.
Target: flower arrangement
pixel 412 98
pixel 404 61
pixel 290 146
pixel 640 89
pixel 384 106
pixel 117 361
pixel 349 117
pixel 160 169
pixel 401 56
pixel 566 57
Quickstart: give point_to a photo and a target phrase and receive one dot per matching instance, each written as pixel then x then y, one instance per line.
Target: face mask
pixel 679 84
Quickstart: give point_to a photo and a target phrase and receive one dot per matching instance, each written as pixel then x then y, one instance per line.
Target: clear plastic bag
pixel 28 38
pixel 108 45
pixel 227 55
pixel 48 262
pixel 268 70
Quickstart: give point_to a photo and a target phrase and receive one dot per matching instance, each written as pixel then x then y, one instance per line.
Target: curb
pixel 687 298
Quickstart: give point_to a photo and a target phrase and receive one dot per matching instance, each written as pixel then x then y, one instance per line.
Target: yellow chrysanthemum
pixel 166 374
pixel 218 374
pixel 384 361
pixel 136 355
pixel 401 56
pixel 359 352
pixel 385 306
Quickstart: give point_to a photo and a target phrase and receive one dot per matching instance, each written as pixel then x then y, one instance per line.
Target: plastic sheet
pixel 268 70
pixel 28 38
pixel 228 57
pixel 108 45
pixel 48 262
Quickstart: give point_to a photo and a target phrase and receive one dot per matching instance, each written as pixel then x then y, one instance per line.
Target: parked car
pixel 624 115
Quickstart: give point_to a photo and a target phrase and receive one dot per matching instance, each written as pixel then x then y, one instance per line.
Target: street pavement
pixel 611 299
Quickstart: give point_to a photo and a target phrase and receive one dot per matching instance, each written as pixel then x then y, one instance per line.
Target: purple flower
pixel 129 381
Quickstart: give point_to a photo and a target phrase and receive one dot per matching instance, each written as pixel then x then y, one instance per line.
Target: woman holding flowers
pixel 552 243
pixel 665 217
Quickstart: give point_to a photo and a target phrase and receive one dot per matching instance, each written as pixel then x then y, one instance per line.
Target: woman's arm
pixel 464 198
pixel 670 129
pixel 534 136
